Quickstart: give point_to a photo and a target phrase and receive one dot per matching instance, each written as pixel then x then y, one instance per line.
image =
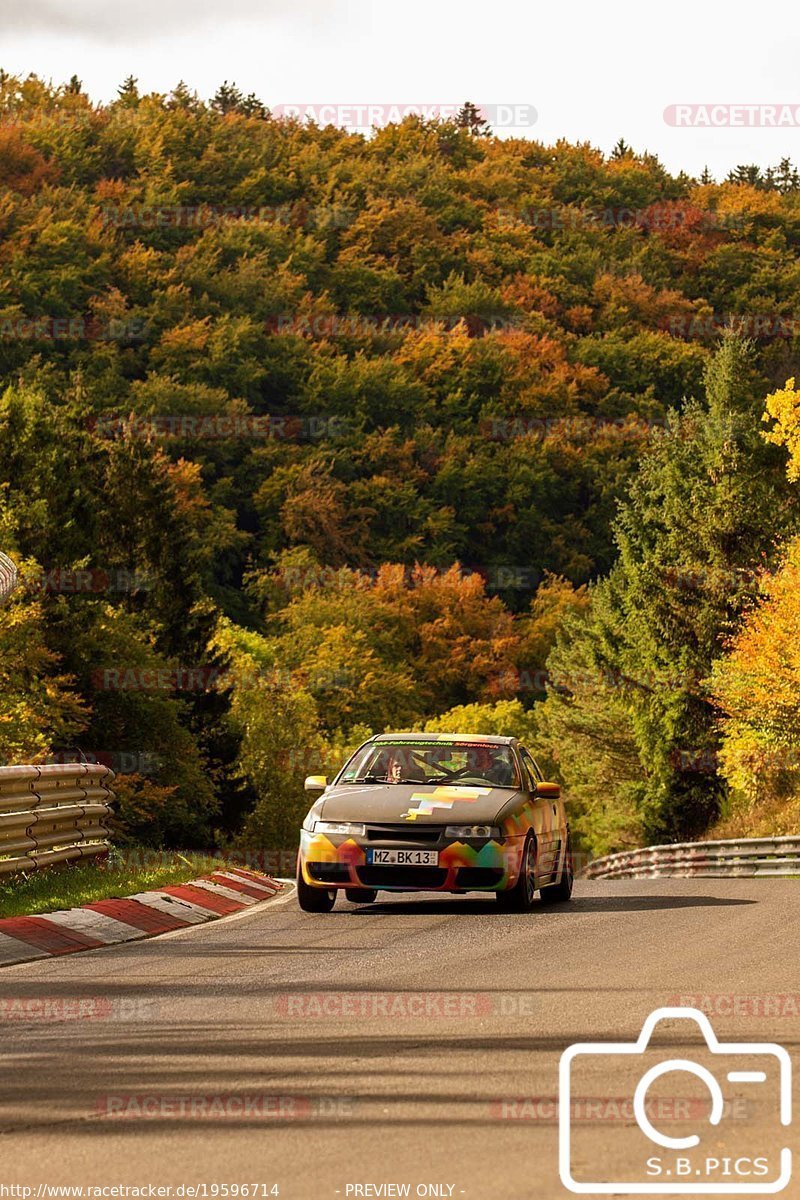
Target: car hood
pixel 415 803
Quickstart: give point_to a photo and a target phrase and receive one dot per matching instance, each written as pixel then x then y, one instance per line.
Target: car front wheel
pixel 519 898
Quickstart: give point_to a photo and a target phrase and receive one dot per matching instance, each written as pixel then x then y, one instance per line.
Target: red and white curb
pixel 107 922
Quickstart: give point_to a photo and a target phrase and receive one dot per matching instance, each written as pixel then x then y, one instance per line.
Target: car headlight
pixel 342 828
pixel 472 831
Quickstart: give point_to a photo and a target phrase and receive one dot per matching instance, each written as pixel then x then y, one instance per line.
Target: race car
pixel 420 812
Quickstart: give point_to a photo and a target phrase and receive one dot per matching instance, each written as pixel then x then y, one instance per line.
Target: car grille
pixel 402 877
pixel 420 835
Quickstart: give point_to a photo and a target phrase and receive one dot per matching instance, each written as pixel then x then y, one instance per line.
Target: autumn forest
pixel 308 435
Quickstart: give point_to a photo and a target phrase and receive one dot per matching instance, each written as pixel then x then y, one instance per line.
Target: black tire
pixel 557 893
pixel 361 895
pixel 314 900
pixel 520 897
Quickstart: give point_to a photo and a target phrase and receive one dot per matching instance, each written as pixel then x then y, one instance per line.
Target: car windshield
pixel 477 764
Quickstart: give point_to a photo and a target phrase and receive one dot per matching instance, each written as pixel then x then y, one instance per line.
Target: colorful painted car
pixel 435 812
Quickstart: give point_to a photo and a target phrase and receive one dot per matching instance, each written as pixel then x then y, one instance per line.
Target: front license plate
pixel 403 858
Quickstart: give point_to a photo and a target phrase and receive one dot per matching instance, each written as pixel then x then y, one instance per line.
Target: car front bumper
pixel 463 866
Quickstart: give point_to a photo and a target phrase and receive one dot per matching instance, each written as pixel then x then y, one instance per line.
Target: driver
pixel 403 768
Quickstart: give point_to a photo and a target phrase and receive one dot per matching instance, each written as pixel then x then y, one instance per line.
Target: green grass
pixel 67 887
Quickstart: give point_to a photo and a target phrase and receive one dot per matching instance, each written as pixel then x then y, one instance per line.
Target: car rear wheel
pixel 554 893
pixel 311 899
pixel 361 895
pixel 519 898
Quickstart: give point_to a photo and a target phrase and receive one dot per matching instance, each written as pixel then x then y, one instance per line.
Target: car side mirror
pixel 548 791
pixel 316 783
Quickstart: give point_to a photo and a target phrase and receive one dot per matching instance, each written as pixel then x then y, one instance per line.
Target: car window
pixel 469 763
pixel 532 772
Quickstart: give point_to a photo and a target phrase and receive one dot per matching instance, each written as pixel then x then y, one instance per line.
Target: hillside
pixel 307 434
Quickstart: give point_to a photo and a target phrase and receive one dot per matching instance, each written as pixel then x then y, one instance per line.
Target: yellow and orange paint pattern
pixel 505 854
pixel 442 797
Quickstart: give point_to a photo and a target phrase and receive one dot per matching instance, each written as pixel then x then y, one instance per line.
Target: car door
pixel 545 813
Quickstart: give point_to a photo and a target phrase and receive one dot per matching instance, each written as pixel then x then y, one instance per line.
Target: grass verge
pixel 69 886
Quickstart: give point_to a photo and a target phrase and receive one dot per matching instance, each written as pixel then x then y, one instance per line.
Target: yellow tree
pixel 757 688
pixel 757 684
pixel 783 407
pixel 38 705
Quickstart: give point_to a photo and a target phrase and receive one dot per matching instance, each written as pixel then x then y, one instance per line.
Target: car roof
pixel 483 738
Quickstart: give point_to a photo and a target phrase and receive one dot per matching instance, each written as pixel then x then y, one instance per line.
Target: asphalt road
pixel 188 1034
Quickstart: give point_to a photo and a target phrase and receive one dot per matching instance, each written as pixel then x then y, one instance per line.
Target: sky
pixel 576 70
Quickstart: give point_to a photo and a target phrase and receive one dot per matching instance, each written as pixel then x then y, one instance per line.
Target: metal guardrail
pixel 53 814
pixel 9 577
pixel 746 857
